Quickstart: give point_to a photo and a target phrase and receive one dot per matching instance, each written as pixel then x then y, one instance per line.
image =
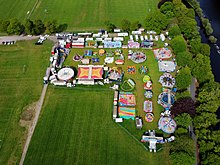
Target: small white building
pixel 84 34
pixel 136 38
pixel 117 30
pixel 125 34
pixel 105 36
pixel 89 39
pixel 162 37
pixel 118 39
pixel 107 39
pixel 118 120
pixel 141 29
pixel 96 35
pixel 131 38
pixel 136 32
pixel 99 39
pixel 146 37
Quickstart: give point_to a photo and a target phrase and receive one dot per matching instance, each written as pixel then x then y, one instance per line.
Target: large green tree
pixel 178 44
pixel 205 49
pixel 15 27
pixel 195 45
pixel 174 31
pixel 167 9
pixel 110 26
pixel 182 151
pixel 209 92
pixel 4 25
pixel 29 25
pixel 180 158
pixel 183 78
pixel 188 27
pixel 39 27
pixel 179 8
pixel 51 27
pixel 126 25
pixel 211 159
pixel 184 58
pixel 135 25
pixel 205 120
pixel 201 68
pixel 183 120
pixel 156 21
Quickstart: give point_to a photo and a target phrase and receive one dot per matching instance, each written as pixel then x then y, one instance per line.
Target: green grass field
pixel 22 67
pixel 79 14
pixel 76 127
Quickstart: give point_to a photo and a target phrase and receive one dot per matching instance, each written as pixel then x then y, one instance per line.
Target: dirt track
pixel 34 123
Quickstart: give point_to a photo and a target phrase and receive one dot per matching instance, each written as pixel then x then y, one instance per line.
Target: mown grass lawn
pixel 79 14
pixel 76 127
pixel 15 8
pixel 22 67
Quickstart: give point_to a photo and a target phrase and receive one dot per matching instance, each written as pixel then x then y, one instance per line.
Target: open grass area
pixel 76 127
pixel 79 14
pixel 22 67
pixel 15 8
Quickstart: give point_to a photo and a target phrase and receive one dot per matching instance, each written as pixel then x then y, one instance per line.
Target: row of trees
pixel 205 21
pixel 205 120
pixel 36 27
pixel 193 60
pixel 156 21
pixel 182 150
pixel 126 25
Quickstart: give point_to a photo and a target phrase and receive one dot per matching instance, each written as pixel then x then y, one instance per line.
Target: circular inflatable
pixel 167 124
pixel 65 74
pixel 149 117
pixel 166 100
pixel 167 80
pixel 148 94
pixel 138 57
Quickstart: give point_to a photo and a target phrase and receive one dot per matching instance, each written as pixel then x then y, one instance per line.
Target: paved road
pixel 192 89
pixel 16 38
pixel 34 123
pixel 20 38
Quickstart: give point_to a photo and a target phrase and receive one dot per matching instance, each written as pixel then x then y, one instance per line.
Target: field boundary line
pixel 34 124
pixel 132 136
pixel 37 1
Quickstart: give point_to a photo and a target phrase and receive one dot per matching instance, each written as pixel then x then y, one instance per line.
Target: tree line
pixel 205 21
pixel 32 27
pixel 126 25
